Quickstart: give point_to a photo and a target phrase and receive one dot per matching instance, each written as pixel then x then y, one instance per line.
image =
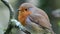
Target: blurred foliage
pixel 59 23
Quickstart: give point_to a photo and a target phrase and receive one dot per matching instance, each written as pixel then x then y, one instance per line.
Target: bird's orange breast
pixel 22 17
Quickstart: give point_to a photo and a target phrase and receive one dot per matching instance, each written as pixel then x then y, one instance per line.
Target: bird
pixel 34 18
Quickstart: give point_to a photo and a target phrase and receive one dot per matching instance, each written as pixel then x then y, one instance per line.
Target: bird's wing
pixel 40 19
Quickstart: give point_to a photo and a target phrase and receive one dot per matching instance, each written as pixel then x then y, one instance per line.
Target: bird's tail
pixel 53 32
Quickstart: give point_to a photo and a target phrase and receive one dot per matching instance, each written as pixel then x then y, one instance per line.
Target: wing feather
pixel 40 19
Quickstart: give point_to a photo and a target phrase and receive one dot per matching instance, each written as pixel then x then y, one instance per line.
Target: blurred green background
pixel 51 7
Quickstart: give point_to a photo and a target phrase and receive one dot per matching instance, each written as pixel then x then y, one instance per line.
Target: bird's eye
pixel 25 9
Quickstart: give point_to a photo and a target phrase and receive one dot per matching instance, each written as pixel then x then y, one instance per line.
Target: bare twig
pixel 9 7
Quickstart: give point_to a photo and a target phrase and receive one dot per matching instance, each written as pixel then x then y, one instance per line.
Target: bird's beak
pixel 18 10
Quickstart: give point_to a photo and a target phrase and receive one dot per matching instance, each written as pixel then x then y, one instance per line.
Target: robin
pixel 34 18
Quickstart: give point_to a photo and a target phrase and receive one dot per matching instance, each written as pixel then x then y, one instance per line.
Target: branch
pixel 12 20
pixel 9 7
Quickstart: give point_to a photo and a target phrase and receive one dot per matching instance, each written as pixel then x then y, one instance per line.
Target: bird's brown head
pixel 24 12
